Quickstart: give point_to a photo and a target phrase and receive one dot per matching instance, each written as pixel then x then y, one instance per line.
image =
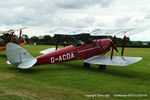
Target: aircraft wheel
pixel 86 64
pixel 102 67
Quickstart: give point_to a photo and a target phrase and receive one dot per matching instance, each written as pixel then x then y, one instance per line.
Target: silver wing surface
pixel 99 32
pixel 12 30
pixel 48 50
pixel 116 32
pixel 69 32
pixel 117 60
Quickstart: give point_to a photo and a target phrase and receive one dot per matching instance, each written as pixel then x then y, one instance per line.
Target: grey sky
pixel 44 15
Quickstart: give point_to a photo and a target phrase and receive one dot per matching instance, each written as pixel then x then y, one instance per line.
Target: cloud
pixel 77 4
pixel 123 22
pixel 147 16
pixel 42 15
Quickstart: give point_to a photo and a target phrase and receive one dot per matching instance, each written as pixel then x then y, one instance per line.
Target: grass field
pixel 71 81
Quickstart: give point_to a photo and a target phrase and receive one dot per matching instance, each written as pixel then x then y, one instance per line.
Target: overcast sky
pixel 43 15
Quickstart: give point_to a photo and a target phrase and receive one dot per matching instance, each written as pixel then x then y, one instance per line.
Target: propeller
pixel 114 46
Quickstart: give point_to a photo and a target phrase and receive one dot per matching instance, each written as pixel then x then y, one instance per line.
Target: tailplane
pixel 19 57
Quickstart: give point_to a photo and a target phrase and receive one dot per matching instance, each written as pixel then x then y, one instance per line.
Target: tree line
pixel 48 40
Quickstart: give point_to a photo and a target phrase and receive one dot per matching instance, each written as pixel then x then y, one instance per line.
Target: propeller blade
pixel 113 47
pixel 112 44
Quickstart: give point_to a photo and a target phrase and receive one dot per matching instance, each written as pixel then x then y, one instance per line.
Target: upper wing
pixel 99 32
pixel 13 30
pixel 69 32
pixel 116 32
pixel 117 60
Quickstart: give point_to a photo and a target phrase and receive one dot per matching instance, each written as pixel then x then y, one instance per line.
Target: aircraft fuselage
pixel 70 53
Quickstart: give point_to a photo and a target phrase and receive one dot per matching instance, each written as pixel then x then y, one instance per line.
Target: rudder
pixel 19 57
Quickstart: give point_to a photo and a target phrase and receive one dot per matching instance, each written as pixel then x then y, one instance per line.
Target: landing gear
pixel 86 65
pixel 101 67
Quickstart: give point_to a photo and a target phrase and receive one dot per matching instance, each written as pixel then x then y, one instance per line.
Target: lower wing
pixel 48 50
pixel 117 60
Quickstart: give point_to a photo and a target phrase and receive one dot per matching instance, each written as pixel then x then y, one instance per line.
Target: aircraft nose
pixel 109 41
pixel 106 44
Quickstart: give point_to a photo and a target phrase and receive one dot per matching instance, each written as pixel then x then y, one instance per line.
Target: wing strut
pixel 20 36
pixel 58 37
pixel 124 42
pixel 11 39
pixel 65 40
pixel 112 51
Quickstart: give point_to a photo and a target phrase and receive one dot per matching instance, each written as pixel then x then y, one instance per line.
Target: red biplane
pixel 91 53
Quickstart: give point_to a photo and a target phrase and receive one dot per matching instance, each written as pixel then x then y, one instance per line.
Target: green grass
pixel 71 81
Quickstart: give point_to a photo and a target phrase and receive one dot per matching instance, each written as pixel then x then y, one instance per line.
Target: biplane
pixel 9 37
pixel 92 52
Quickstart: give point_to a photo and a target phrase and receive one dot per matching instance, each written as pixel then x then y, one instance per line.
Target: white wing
pixel 116 32
pixel 117 60
pixel 48 50
pixel 99 32
pixel 68 32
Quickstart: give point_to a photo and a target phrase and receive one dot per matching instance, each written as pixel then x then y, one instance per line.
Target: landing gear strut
pixel 101 67
pixel 86 65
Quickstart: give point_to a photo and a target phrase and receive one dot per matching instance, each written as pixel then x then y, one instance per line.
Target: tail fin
pixel 19 57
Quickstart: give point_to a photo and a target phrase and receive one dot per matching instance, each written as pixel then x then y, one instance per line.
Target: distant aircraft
pixel 91 52
pixel 8 37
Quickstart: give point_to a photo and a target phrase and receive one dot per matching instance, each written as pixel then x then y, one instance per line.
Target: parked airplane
pixel 91 53
pixel 8 37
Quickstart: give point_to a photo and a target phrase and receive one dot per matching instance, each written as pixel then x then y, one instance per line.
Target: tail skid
pixel 19 57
